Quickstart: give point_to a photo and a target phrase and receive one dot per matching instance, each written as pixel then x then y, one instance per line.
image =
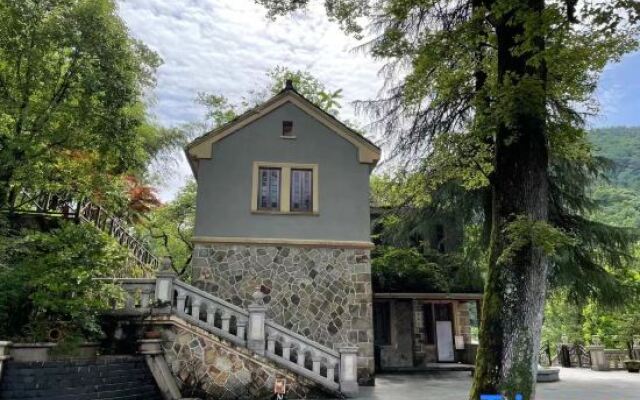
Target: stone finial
pixel 564 338
pixel 258 296
pixel 288 85
pixel 595 340
pixel 167 264
pixel 636 341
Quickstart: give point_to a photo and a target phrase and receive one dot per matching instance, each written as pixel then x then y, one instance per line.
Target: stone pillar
pixel 164 281
pixel 5 349
pixel 348 370
pixel 464 322
pixel 256 331
pixel 598 358
pixel 418 333
pixel 635 349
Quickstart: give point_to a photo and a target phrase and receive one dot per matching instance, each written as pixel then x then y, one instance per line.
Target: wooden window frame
pixel 279 193
pixel 301 210
pixel 285 187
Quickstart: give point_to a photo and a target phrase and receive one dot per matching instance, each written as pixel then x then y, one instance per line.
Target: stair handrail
pixel 261 333
pixel 68 205
pixel 295 337
pixel 209 297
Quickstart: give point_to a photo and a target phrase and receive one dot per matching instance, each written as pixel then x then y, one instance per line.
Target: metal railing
pixel 66 205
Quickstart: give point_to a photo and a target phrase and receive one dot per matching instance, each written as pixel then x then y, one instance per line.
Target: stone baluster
pixel 286 350
pixel 301 355
pixel 256 327
pixel 195 309
pixel 331 370
pixel 241 324
pixel 145 296
pixel 130 302
pixel 635 348
pixel 316 359
pixel 182 296
pixel 226 317
pixel 211 314
pixel 348 370
pixel 164 281
pixel 271 342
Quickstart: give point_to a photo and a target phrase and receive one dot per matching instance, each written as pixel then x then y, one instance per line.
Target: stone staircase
pixel 165 296
pixel 106 378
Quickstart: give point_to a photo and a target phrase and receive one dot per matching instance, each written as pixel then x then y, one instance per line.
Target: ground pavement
pixel 575 384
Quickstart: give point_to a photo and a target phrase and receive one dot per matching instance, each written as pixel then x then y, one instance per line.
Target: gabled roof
pixel 202 147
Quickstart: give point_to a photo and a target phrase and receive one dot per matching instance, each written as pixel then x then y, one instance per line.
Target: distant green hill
pixel 621 196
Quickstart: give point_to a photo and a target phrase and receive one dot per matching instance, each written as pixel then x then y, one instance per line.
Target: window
pixel 301 190
pixel 287 128
pixel 284 188
pixel 382 323
pixel 269 193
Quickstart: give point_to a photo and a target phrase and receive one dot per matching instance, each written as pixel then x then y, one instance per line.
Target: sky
pixel 227 46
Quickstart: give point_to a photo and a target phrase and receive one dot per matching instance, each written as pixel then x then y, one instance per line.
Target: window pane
pixel 274 183
pixel 269 192
pixel 301 192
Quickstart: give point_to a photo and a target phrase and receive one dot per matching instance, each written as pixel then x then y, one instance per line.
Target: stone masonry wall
pixel 219 370
pixel 322 293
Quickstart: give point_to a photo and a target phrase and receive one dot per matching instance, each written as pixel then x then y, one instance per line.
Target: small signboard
pixel 280 388
pixel 459 339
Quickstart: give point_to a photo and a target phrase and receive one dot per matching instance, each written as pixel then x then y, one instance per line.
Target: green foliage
pixel 169 229
pixel 47 281
pixel 622 146
pixel 307 85
pixel 406 270
pixel 442 230
pixel 72 83
pixel 523 232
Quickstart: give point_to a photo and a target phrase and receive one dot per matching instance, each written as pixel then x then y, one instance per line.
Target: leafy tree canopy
pixel 72 110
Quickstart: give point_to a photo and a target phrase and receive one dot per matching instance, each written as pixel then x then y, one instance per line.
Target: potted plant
pixel 150 331
pixel 632 366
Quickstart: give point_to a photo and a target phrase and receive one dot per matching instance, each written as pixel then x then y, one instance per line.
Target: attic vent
pixel 287 128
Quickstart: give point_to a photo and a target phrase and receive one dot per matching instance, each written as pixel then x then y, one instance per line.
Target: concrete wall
pixel 224 182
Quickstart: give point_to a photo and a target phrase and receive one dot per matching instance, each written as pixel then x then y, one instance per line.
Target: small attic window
pixel 287 129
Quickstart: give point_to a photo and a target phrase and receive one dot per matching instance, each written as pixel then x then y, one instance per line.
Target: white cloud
pixel 226 46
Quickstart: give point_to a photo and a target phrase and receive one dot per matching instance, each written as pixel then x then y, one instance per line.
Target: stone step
pixel 108 378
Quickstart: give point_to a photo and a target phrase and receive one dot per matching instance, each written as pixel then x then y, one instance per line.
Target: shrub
pixel 47 281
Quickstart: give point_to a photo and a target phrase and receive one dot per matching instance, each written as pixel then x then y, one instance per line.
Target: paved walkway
pixel 575 384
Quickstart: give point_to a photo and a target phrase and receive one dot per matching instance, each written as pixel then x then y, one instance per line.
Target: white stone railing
pixel 615 358
pixel 210 313
pixel 334 370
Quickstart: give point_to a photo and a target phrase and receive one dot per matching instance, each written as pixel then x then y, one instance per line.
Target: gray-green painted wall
pixel 224 182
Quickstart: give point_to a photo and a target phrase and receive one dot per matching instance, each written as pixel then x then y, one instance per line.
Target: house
pixel 416 324
pixel 283 204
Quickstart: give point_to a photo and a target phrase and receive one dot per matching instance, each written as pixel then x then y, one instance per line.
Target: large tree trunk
pixel 514 295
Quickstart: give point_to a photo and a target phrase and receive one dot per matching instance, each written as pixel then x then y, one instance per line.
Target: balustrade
pixel 336 370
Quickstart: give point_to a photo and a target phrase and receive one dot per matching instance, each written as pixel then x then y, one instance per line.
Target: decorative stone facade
pixel 321 293
pixel 225 371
